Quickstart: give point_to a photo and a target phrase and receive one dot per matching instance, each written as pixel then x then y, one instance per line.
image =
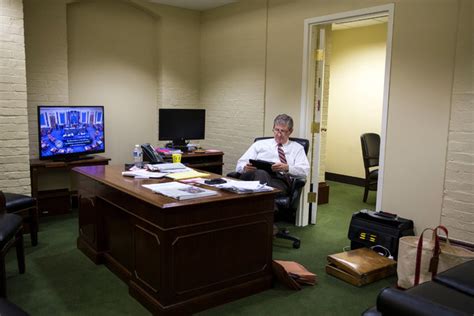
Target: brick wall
pixel 233 77
pixel 14 160
pixel 458 200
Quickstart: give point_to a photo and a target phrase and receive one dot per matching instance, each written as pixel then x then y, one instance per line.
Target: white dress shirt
pixel 267 150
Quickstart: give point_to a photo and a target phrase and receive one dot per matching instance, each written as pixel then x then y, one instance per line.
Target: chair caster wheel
pixel 296 244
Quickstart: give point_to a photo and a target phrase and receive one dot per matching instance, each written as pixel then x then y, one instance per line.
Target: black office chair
pixel 286 205
pixel 11 234
pixel 370 154
pixel 25 206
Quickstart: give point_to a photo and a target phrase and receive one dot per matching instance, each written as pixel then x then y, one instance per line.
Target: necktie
pixel 281 154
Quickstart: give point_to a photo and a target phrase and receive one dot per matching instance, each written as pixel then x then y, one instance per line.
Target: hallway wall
pixel 355 95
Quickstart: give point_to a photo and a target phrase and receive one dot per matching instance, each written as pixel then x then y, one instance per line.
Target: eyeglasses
pixel 280 131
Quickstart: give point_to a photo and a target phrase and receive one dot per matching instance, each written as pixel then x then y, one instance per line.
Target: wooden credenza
pixel 177 257
pixel 57 201
pixel 207 161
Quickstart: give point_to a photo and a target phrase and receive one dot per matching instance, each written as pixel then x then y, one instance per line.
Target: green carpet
pixel 60 280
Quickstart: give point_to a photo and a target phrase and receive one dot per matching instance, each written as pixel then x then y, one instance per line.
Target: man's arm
pixel 301 167
pixel 251 153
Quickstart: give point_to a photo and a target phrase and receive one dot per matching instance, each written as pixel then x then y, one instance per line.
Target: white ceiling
pixel 199 5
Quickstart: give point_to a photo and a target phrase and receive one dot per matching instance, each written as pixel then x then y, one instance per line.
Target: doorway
pixel 315 94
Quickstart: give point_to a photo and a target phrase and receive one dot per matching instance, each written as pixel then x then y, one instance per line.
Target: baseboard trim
pixel 344 179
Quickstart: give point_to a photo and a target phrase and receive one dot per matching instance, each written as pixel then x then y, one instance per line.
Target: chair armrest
pixel 296 188
pixel 460 278
pixel 234 174
pixel 297 184
pixel 392 301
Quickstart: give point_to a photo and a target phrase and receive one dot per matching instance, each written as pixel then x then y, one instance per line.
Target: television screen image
pixel 70 131
pixel 180 125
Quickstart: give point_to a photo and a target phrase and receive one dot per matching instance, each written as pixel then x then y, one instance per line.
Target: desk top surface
pixel 112 176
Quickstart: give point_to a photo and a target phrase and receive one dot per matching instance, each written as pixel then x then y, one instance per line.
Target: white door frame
pixel 306 105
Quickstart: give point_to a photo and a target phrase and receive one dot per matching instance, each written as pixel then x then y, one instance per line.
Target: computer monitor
pixel 70 132
pixel 181 125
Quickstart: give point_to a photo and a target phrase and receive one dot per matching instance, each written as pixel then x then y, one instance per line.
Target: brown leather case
pixel 360 266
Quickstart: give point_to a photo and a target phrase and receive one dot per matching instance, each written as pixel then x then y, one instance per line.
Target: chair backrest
pixel 3 203
pixel 370 143
pixel 302 141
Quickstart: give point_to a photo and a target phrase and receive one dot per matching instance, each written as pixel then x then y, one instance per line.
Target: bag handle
pixel 433 268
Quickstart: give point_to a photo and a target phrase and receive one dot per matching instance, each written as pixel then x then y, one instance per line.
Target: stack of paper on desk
pixel 169 167
pixel 190 173
pixel 143 174
pixel 244 186
pixel 179 191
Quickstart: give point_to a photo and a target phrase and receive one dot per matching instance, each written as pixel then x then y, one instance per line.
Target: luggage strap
pixel 433 268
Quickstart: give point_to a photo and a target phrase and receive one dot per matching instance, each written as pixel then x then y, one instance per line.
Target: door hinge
pixel 319 54
pixel 312 197
pixel 315 126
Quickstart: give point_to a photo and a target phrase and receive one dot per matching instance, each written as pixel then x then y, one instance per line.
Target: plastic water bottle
pixel 138 156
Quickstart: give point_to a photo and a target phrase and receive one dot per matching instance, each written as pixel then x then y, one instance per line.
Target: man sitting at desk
pixel 289 157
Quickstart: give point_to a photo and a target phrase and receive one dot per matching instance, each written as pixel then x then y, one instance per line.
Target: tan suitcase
pixel 360 266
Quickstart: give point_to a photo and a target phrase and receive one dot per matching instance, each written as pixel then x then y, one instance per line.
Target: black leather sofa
pixel 7 308
pixel 449 293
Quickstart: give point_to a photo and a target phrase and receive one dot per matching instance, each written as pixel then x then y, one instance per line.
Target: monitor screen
pixel 70 131
pixel 179 125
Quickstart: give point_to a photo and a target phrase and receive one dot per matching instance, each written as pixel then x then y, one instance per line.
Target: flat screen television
pixel 181 125
pixel 70 132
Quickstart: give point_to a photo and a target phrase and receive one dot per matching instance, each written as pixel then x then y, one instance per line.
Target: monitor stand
pixel 180 144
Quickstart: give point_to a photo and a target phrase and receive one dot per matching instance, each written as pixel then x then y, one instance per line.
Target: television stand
pixel 57 199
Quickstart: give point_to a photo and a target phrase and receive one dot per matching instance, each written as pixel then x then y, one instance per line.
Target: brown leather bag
pixel 360 266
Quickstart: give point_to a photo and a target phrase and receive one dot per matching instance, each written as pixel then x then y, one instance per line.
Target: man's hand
pixel 249 167
pixel 280 167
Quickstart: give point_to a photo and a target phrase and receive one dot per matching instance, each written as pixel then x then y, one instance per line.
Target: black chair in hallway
pixel 11 234
pixel 370 143
pixel 286 205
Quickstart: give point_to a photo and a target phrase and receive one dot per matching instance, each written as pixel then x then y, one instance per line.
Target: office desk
pixel 177 257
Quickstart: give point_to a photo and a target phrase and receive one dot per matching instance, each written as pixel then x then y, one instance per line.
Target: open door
pixel 318 45
pixel 313 94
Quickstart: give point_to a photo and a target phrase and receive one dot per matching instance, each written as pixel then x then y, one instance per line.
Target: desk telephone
pixel 150 155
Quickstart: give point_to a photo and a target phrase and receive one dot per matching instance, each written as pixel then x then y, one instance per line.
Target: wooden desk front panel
pixel 176 258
